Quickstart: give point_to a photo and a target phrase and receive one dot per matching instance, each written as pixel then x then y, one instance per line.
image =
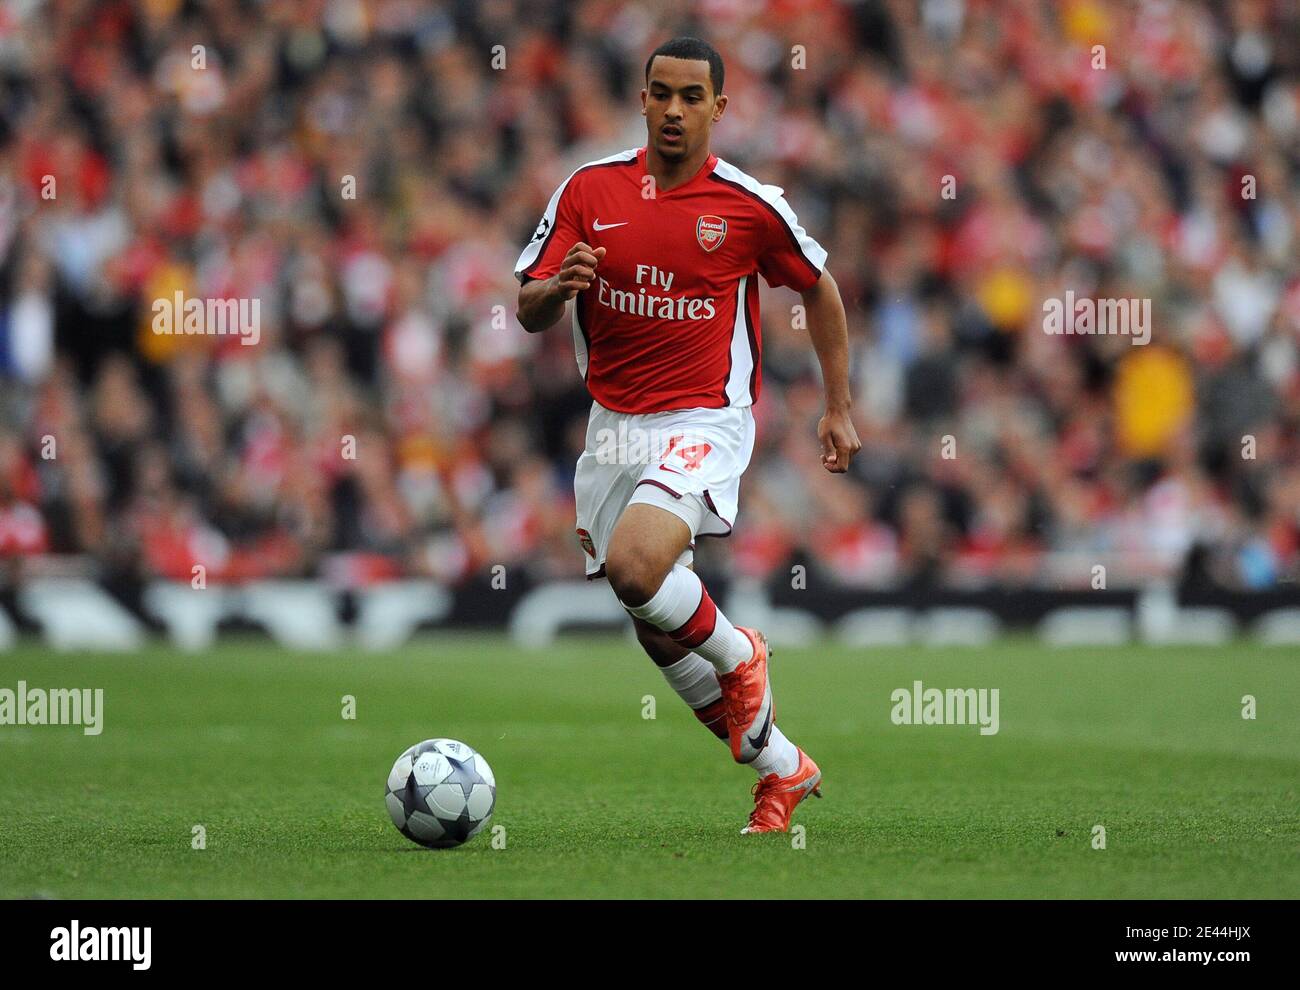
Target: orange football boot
pixel 775 797
pixel 747 695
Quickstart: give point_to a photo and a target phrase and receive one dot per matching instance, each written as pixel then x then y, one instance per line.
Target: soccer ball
pixel 440 793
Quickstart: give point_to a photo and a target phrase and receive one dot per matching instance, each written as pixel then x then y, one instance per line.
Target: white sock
pixel 683 609
pixel 694 680
pixel 779 756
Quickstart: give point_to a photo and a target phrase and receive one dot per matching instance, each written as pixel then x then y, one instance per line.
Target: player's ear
pixel 644 94
pixel 719 107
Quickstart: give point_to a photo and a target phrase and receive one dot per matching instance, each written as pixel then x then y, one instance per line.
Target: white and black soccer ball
pixel 440 793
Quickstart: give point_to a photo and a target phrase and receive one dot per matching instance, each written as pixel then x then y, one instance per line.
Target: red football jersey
pixel 671 321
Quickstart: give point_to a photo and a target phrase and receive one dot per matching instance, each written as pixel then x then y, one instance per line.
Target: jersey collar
pixel 705 169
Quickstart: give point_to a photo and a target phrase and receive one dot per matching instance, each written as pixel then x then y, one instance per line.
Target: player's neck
pixel 669 175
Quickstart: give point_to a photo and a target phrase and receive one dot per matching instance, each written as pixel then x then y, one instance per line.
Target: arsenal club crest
pixel 710 231
pixel 584 540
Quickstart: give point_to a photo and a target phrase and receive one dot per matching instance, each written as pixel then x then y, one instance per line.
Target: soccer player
pixel 661 248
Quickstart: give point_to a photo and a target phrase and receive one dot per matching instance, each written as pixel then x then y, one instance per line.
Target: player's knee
pixel 634 579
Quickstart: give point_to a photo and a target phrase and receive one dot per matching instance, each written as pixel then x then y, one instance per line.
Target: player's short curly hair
pixel 696 50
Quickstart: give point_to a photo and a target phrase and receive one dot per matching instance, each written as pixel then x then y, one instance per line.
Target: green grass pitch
pixel 597 801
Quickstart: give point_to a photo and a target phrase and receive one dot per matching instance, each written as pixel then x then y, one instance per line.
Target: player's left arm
pixel 829 330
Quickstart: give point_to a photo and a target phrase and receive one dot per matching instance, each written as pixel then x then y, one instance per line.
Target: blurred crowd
pixel 370 169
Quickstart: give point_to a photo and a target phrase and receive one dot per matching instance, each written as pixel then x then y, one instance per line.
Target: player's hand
pixel 839 440
pixel 578 269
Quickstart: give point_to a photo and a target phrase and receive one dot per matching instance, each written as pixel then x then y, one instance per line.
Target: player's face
pixel 680 106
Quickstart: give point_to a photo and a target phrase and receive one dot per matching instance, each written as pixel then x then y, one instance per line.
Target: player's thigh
pixel 646 542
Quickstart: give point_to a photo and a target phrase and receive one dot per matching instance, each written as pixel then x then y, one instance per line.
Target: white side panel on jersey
pixel 773 196
pixel 742 358
pixel 533 249
pixel 579 343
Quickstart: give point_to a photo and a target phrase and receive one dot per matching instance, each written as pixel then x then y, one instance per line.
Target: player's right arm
pixel 541 301
pixel 557 263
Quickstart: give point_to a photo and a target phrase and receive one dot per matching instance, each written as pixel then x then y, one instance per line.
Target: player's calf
pixel 642 570
pixel 683 609
pixel 714 718
pixel 662 650
pixel 688 674
pixel 696 682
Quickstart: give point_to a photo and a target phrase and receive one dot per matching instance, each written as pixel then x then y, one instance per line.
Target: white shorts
pixel 688 462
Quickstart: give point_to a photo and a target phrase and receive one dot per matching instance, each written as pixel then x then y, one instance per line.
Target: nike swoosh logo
pixel 806 785
pixel 757 741
pixel 665 467
pixel 597 225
